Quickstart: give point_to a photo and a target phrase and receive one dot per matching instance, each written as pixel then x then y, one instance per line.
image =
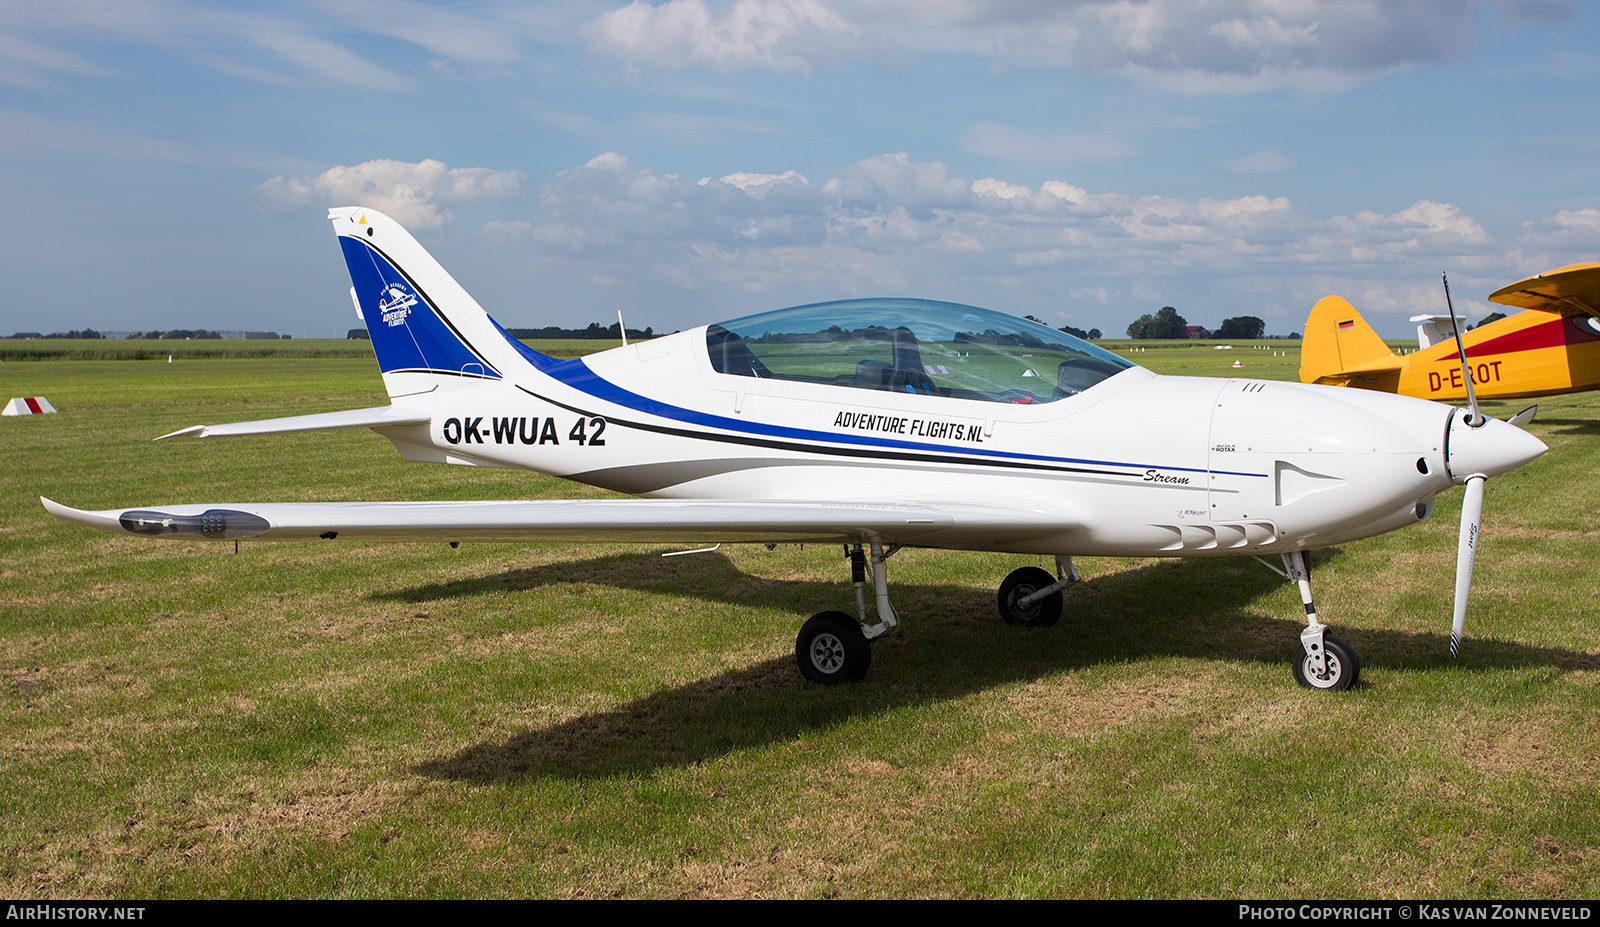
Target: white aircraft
pixel 878 423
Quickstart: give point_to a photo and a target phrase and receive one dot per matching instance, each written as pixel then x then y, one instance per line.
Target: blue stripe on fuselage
pixel 541 361
pixel 576 374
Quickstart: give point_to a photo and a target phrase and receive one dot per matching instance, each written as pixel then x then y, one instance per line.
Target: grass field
pixel 553 720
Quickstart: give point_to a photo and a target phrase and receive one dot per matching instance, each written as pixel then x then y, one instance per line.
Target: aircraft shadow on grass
pixel 954 644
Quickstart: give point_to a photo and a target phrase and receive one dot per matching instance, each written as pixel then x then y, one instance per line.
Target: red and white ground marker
pixel 29 405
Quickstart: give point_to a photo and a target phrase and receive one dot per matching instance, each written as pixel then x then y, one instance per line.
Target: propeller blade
pixel 1466 552
pixel 1474 418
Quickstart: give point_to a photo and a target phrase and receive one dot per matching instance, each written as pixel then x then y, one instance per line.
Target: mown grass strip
pixel 507 720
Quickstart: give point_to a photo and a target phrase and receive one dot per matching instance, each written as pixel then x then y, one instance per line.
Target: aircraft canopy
pixel 917 346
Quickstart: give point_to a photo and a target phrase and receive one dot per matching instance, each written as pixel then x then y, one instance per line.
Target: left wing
pixel 1575 288
pixel 577 520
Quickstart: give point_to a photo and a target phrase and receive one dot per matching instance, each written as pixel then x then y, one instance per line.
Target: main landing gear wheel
pixel 831 649
pixel 1344 667
pixel 1021 584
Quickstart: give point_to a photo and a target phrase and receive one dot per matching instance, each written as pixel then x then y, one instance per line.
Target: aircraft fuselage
pixel 1141 465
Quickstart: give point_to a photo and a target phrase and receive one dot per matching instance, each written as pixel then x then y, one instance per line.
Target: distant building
pixel 1196 331
pixel 236 334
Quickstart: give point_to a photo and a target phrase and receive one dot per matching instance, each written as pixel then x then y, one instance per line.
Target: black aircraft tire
pixel 1024 582
pixel 1344 667
pixel 831 649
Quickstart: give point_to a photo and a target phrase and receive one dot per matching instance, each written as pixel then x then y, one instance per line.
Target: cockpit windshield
pixel 915 346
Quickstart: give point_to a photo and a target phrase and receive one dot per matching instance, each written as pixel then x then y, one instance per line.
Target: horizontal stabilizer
pixel 1390 364
pixel 561 520
pixel 354 418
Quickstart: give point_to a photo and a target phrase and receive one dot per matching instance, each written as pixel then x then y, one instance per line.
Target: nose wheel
pixel 1325 662
pixel 1340 666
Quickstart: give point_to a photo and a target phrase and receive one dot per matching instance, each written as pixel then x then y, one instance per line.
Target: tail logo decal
pixel 409 332
pixel 395 303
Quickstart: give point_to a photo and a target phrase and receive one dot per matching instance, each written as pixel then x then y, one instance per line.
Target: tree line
pixel 175 334
pixel 1167 323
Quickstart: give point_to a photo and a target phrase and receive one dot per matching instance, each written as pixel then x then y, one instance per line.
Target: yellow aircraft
pixel 1553 346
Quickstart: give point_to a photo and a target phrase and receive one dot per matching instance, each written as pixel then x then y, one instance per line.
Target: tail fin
pixel 1339 344
pixel 424 326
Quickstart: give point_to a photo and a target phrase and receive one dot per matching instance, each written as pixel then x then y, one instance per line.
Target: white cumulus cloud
pixel 784 35
pixel 892 225
pixel 418 196
pixel 1229 46
pixel 1569 230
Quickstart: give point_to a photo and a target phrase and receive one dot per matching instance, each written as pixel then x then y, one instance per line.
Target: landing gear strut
pixel 1325 661
pixel 832 647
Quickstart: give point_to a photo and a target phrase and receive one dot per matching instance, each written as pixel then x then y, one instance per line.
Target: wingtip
pixel 104 521
pixel 184 432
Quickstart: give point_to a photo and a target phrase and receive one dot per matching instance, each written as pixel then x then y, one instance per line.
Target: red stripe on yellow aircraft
pixel 1557 332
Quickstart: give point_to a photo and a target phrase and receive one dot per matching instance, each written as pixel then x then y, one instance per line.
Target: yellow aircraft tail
pixel 1339 348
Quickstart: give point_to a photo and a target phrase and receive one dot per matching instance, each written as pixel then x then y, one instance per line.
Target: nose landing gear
pixel 1325 662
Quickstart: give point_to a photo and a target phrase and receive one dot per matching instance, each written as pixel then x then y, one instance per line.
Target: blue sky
pixel 166 163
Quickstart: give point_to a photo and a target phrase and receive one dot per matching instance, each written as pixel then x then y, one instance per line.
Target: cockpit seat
pixel 872 374
pixel 910 381
pixel 729 354
pixel 908 376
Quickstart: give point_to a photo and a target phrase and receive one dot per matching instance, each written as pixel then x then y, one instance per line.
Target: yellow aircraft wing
pixel 1574 287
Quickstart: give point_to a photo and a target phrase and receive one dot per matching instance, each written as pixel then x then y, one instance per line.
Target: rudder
pixel 422 322
pixel 1338 342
